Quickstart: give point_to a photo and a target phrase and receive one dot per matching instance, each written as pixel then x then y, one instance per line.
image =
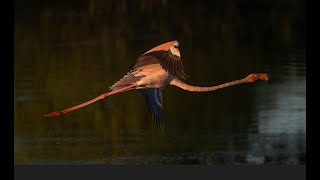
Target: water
pixel 67 54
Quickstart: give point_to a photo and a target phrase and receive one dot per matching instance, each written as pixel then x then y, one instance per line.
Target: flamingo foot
pixel 54 114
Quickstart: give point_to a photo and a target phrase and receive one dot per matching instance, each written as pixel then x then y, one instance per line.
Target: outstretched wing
pixel 169 62
pixel 153 98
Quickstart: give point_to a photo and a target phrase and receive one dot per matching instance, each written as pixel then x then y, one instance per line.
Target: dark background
pixel 67 52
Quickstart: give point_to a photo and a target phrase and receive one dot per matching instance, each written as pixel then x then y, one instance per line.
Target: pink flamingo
pixel 153 70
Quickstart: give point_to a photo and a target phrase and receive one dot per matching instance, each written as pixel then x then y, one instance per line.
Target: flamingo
pixel 152 71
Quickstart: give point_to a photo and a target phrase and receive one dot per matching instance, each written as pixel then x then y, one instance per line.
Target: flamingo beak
pixel 265 77
pixel 258 76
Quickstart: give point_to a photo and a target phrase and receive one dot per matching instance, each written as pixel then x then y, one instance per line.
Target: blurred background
pixel 67 52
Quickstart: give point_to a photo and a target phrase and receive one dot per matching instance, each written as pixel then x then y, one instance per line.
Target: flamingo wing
pixel 153 99
pixel 169 62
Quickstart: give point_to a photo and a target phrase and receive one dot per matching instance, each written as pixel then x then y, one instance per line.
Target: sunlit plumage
pixel 152 71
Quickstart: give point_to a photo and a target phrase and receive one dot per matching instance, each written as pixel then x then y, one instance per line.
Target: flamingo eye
pixel 176 44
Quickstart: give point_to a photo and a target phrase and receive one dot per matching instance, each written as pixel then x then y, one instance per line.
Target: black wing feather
pixel 153 98
pixel 171 63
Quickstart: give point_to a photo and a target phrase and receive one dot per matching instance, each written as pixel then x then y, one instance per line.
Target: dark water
pixel 69 52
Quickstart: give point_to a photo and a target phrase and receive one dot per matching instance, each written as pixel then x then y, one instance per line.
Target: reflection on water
pixel 280 111
pixel 65 55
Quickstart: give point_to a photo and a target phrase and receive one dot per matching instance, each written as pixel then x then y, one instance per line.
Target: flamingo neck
pixel 182 85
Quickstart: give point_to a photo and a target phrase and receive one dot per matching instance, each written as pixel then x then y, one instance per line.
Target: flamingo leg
pixel 58 113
